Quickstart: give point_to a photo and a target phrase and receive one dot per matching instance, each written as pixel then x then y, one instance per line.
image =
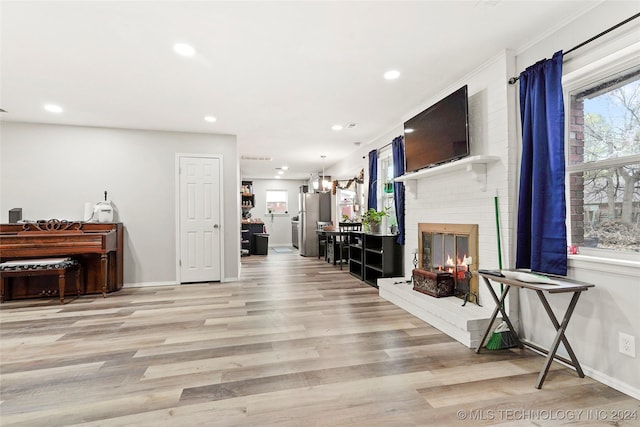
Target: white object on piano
pixel 100 212
pixel 105 211
pixel 88 211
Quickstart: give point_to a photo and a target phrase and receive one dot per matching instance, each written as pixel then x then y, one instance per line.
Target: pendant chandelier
pixel 324 184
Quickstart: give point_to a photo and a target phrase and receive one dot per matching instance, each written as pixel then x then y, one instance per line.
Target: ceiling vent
pixel 264 158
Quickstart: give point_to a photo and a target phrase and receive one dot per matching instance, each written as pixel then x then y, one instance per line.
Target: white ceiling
pixel 276 74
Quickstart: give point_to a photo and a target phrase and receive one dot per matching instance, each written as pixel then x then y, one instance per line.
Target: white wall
pixel 50 171
pixel 278 226
pixel 614 305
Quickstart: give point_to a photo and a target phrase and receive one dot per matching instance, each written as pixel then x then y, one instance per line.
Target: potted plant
pixel 373 218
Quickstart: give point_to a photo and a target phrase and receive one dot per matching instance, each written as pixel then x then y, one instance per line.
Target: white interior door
pixel 200 219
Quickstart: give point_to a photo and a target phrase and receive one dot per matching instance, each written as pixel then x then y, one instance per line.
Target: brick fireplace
pixel 463 322
pixel 448 253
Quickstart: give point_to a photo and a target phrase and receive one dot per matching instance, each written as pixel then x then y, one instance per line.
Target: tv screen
pixel 438 134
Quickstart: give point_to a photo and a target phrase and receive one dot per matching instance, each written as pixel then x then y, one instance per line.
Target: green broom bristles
pixel 495 342
pixel 501 338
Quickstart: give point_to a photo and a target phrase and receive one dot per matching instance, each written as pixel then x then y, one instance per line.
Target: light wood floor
pixel 295 342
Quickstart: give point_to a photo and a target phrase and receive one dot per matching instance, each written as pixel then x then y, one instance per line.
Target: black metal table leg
pixel 560 336
pixel 499 307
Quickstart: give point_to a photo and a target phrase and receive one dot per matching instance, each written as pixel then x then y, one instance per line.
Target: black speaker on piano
pixel 15 215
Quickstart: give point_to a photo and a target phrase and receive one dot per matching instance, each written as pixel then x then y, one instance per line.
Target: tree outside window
pixel 604 164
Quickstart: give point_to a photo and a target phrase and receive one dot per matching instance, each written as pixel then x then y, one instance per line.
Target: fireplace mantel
pixel 476 166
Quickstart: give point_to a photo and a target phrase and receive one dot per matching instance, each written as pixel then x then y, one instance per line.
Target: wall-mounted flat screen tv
pixel 439 134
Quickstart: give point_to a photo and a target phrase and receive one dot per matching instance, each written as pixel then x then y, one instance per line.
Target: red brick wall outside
pixel 576 180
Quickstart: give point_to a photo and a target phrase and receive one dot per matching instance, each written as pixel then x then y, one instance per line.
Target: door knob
pixel 216 226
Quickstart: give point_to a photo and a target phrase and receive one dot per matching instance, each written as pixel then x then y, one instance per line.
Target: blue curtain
pixel 372 200
pixel 397 148
pixel 542 233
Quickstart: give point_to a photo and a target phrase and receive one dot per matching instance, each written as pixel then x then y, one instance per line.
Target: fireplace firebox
pixel 447 255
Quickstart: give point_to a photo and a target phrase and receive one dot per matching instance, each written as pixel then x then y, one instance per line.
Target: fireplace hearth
pixel 447 253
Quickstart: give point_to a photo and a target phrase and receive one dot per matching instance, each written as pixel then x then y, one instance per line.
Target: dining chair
pixel 343 242
pixel 322 238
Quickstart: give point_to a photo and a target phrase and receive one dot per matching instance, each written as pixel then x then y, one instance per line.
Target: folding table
pixel 560 285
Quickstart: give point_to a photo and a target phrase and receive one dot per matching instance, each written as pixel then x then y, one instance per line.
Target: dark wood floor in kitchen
pixel 295 342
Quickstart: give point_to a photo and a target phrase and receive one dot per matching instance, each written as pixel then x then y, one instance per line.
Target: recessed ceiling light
pixel 336 127
pixel 280 172
pixel 184 49
pixel 277 176
pixel 408 130
pixel 210 119
pixel 284 168
pixel 392 74
pixel 53 108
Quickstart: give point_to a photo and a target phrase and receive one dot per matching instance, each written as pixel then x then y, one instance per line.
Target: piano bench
pixel 40 267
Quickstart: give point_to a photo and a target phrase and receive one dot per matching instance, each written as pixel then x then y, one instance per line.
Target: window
pixel 348 203
pixel 385 184
pixel 277 202
pixel 604 163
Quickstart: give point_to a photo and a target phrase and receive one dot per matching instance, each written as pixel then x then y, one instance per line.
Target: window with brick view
pixel 604 163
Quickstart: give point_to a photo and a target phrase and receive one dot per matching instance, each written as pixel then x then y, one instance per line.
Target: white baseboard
pixel 612 382
pixel 595 374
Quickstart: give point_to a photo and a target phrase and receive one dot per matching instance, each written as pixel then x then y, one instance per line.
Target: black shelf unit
pixel 245 243
pixel 248 198
pixel 355 254
pixel 373 256
pixel 248 239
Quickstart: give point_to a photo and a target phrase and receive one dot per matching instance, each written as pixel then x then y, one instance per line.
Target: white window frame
pixel 286 201
pixel 385 199
pixel 623 59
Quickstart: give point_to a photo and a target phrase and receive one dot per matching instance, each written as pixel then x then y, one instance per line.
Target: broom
pixel 501 337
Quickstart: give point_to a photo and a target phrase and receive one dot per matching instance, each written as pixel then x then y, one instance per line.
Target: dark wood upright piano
pixel 97 246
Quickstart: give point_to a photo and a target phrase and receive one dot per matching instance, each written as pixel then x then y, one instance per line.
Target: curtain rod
pixel 378 149
pixel 384 146
pixel 513 80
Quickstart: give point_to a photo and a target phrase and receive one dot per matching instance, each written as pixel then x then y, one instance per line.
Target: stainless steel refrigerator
pixel 314 207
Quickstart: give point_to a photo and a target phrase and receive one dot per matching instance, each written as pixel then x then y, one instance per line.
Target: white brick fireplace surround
pixel 464 324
